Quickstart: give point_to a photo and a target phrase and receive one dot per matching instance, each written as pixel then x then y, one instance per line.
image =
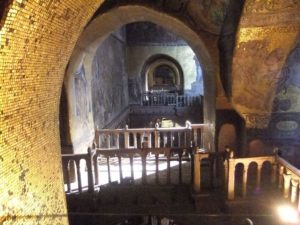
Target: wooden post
pixel 295 184
pixel 168 166
pixel 286 185
pixel 96 139
pixel 126 137
pixel 108 169
pixel 156 168
pixel 144 169
pixel 180 165
pixel 67 172
pixel 197 175
pixel 157 136
pixel 78 175
pixel 131 166
pixel 89 163
pixel 273 175
pixel 258 177
pixel 231 179
pixel 280 177
pixel 118 141
pixel 245 178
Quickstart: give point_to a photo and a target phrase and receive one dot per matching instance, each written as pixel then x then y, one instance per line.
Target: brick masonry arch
pixel 37 39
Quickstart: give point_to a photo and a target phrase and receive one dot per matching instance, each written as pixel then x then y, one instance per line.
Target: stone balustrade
pixel 180 137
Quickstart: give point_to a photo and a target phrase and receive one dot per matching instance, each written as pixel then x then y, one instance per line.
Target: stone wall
pixel 109 80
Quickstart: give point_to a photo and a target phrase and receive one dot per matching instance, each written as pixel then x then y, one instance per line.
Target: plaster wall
pixel 138 55
pixel 109 80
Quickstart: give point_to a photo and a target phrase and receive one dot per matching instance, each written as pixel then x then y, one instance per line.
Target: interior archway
pixel 117 17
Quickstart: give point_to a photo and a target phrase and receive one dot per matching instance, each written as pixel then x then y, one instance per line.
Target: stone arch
pixel 117 17
pixel 161 59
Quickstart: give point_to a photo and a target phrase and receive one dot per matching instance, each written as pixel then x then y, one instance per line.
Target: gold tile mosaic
pixel 36 41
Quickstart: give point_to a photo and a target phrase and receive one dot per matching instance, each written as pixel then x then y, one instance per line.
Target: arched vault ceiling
pixel 205 15
pixel 268 30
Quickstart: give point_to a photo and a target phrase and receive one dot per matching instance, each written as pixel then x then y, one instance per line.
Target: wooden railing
pixel 167 154
pixel 73 162
pixel 169 99
pixel 283 175
pixel 213 160
pixel 230 172
pixel 180 137
pixel 288 178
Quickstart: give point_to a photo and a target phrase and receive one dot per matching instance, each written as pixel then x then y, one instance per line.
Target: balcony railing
pixel 92 177
pixel 180 137
pixel 283 176
pixel 223 166
pixel 169 99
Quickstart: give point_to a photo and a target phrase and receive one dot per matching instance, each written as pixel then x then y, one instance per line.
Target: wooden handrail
pixel 158 137
pixel 168 154
pixel 289 167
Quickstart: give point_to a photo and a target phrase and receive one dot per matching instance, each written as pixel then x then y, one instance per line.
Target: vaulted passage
pixel 74 73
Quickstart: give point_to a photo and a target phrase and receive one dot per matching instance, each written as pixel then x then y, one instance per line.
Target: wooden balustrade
pixel 168 154
pixel 92 165
pixel 180 137
pixel 288 180
pixel 284 175
pixel 169 99
pixel 67 160
pixel 230 165
pixel 213 159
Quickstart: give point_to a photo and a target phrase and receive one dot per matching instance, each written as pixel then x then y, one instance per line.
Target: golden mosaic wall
pixel 36 40
pixel 267 32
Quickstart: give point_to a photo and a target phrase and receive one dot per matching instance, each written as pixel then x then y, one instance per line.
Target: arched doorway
pixel 163 73
pixel 89 40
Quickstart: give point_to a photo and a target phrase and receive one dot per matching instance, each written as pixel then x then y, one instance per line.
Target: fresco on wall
pixel 267 64
pixel 82 106
pixel 285 122
pixel 109 81
pixel 205 15
pixel 284 127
